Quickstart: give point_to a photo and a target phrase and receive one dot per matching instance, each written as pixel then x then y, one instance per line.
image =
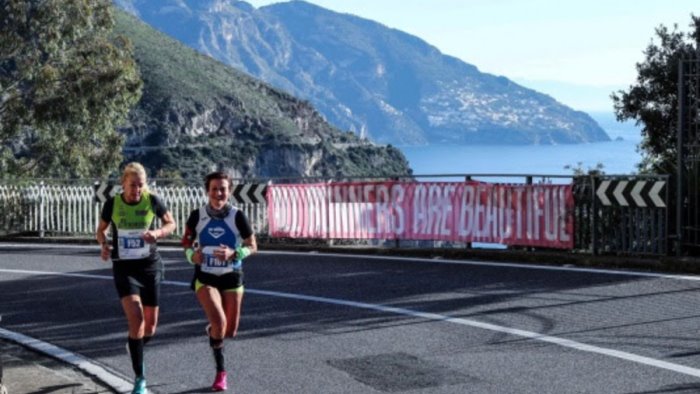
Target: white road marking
pixel 116 382
pixel 435 317
pixel 492 327
pixel 525 266
pixel 494 264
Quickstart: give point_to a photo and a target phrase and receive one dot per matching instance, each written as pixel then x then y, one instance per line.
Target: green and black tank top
pixel 128 222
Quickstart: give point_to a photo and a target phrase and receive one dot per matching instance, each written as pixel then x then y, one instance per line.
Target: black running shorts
pixel 139 277
pixel 226 282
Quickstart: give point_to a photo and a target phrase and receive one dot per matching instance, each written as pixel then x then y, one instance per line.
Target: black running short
pixel 227 282
pixel 139 277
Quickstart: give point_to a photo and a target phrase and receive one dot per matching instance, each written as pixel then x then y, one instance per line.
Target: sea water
pixel 617 157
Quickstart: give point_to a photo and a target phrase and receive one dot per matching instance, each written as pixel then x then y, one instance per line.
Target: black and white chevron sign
pixel 641 194
pixel 103 191
pixel 249 193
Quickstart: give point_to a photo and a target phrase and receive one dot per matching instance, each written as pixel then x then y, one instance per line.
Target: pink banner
pixel 527 215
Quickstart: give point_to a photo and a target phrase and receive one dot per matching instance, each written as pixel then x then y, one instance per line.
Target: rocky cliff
pixel 197 114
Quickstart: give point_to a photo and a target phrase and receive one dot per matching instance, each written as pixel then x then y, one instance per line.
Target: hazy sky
pixel 577 51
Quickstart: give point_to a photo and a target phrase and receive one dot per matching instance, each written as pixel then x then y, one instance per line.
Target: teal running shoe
pixel 139 386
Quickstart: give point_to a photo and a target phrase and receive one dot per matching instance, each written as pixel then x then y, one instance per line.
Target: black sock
pixel 219 358
pixel 147 339
pixel 217 346
pixel 136 351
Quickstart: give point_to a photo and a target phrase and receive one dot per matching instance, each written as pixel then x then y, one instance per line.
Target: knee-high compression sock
pixel 136 351
pixel 147 339
pixel 217 347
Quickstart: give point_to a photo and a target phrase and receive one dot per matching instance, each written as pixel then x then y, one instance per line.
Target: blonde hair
pixel 137 169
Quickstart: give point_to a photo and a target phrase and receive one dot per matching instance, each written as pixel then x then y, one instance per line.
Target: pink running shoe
pixel 220 382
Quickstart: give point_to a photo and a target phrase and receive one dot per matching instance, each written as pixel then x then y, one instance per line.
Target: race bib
pixel 212 265
pixel 131 246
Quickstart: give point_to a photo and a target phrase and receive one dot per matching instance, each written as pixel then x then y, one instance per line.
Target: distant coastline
pixel 627 130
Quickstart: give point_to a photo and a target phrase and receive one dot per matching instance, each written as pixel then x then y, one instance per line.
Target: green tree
pixel 65 83
pixel 653 101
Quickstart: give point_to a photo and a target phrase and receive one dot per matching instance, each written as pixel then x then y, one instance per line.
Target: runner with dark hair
pixel 217 238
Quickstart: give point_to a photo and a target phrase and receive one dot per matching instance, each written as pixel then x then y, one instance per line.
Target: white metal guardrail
pixel 72 209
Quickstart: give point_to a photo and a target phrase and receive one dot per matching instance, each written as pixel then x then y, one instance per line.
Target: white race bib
pixel 212 265
pixel 131 246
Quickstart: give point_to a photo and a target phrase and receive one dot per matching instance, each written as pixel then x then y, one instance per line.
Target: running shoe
pixel 3 389
pixel 220 382
pixel 139 386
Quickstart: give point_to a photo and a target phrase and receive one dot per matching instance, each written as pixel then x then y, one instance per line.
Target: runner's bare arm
pixel 101 236
pixel 166 229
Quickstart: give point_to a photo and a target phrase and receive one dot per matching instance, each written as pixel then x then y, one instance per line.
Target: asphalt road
pixel 316 323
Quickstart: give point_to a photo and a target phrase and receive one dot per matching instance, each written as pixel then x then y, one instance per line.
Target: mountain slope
pixel 197 114
pixel 366 77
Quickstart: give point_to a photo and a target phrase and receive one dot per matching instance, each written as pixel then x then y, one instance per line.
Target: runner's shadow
pixel 61 388
pixel 685 354
pixel 206 389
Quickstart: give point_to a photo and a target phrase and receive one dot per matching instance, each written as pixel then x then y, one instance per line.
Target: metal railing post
pixel 42 217
pixel 528 181
pixel 329 186
pixel 468 178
